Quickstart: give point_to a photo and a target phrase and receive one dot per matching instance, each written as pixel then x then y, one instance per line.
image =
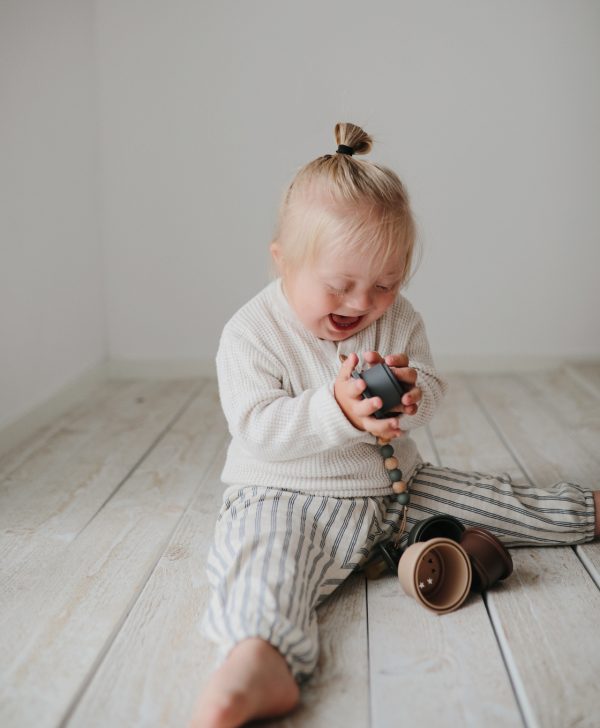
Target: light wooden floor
pixel 106 519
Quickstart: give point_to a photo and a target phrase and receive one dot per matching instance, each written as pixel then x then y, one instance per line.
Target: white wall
pixel 488 110
pixel 52 321
pixel 166 131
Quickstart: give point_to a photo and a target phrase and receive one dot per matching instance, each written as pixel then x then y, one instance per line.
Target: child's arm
pixel 269 422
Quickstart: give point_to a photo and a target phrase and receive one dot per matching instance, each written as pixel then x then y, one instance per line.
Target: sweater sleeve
pixel 266 420
pixel 431 383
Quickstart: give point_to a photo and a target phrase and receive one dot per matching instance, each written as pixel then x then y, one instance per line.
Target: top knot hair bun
pixel 351 139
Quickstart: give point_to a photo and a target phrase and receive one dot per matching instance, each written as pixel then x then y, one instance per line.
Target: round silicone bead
pixel 400 487
pixel 395 475
pixel 390 463
pixel 402 498
pixel 387 451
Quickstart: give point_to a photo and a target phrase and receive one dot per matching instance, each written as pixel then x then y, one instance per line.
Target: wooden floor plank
pixel 463 435
pixel 569 404
pixel 49 498
pixel 567 400
pixel 105 394
pixel 546 617
pixel 434 670
pixel 66 467
pixel 588 375
pixel 57 628
pixel 540 443
pixel 428 668
pixel 155 667
pixel 548 614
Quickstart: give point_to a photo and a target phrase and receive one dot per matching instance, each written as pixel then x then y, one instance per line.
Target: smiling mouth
pixel 344 323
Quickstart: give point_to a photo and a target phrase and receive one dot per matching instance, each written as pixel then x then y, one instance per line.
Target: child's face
pixel 335 298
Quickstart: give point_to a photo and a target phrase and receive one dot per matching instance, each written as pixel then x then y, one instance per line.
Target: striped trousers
pixel 277 554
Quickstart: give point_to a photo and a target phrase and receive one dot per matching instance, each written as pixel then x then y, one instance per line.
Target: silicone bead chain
pixel 387 555
pixel 395 474
pixel 399 486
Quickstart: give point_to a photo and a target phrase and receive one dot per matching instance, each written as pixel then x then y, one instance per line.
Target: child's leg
pixel 276 555
pixel 517 514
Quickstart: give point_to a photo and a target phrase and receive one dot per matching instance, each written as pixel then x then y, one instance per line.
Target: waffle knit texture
pixel 276 384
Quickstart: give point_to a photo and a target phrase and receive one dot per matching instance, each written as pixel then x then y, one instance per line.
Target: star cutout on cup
pixel 421 585
pixel 430 580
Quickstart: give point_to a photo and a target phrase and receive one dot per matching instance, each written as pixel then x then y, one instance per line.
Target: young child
pixel 309 495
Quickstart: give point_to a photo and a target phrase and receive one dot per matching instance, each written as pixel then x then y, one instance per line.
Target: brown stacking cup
pixel 437 573
pixel 490 560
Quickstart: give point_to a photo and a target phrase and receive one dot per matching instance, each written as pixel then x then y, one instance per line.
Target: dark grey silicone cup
pixel 440 526
pixel 381 382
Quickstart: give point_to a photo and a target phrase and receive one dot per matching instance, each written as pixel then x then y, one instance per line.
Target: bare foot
pixel 253 682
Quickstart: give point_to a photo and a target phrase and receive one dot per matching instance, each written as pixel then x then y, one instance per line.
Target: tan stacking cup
pixel 437 573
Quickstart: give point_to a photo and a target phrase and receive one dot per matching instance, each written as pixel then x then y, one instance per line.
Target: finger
pixel 372 357
pixel 405 374
pixel 348 366
pixel 359 385
pixel 396 360
pixel 381 427
pixel 413 396
pixel 367 407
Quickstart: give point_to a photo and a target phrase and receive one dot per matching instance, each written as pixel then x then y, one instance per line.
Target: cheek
pixel 385 301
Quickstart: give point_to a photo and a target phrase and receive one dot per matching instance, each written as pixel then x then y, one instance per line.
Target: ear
pixel 277 255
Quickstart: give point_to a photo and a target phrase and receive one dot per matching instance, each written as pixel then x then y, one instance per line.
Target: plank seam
pixel 368 653
pixel 525 710
pixel 582 381
pixel 29 446
pixel 433 446
pixel 142 457
pixel 588 564
pixel 103 652
pixel 546 405
pixel 523 704
pixel 497 429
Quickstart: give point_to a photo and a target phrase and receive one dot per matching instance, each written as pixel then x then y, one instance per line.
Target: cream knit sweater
pixel 276 389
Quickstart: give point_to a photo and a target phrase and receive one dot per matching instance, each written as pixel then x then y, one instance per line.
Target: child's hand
pixel 398 363
pixel 359 411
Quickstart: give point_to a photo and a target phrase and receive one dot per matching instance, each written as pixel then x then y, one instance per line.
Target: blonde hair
pixel 347 205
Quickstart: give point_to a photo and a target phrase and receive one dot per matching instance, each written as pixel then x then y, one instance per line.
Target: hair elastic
pixel 343 149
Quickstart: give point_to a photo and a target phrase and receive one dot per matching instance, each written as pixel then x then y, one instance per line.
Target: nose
pixel 360 301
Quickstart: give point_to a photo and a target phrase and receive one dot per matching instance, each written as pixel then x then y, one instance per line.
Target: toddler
pixel 309 496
